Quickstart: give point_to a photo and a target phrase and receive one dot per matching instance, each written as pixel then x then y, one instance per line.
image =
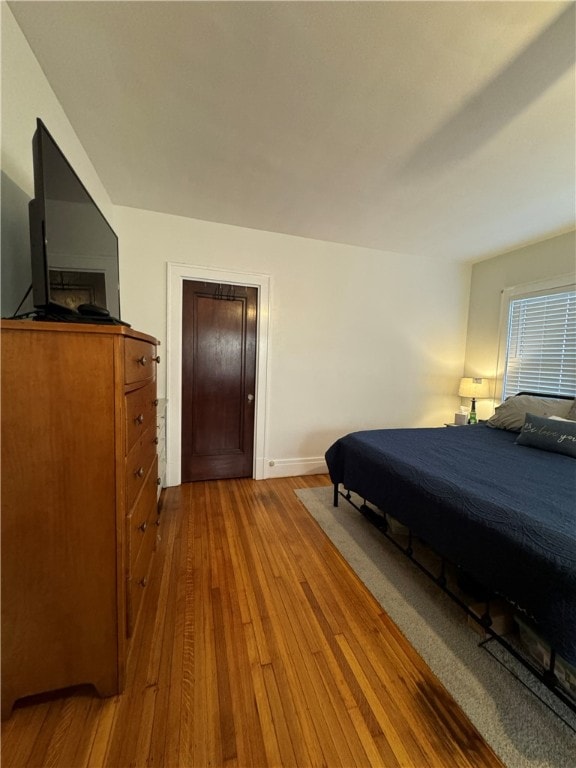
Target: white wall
pixel 358 338
pixel 26 95
pixel 540 261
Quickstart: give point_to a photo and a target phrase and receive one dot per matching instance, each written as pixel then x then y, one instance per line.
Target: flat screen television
pixel 74 250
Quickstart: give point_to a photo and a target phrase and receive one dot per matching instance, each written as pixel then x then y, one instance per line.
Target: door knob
pixel 250 398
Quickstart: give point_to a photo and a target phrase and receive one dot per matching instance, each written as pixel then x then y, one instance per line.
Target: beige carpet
pixel 522 730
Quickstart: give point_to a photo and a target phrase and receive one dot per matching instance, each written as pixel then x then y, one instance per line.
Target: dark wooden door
pixel 218 380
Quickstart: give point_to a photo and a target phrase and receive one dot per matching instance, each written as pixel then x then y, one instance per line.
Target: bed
pixel 502 511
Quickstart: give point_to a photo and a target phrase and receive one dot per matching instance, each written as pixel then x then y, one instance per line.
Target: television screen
pixel 74 249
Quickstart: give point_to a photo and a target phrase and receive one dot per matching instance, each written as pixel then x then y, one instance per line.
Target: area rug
pixel 525 730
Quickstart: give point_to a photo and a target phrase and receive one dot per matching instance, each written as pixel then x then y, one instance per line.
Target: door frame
pixel 177 273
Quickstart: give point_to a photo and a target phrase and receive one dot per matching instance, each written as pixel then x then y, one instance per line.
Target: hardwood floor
pixel 256 646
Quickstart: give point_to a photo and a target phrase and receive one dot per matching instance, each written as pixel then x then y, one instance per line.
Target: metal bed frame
pixel 546 676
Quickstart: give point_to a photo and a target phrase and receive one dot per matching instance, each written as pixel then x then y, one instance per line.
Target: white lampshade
pixel 477 388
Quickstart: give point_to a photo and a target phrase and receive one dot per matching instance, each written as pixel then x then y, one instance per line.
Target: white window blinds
pixel 541 345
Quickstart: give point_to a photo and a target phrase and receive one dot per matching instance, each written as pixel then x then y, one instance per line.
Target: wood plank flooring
pixel 256 646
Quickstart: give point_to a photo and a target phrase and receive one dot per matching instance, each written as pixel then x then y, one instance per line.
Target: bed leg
pixel 335 498
pixel 442 577
pixel 486 618
pixel 409 549
pixel 549 674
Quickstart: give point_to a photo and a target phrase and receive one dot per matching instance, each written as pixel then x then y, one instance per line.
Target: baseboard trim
pixel 271 468
pixel 314 465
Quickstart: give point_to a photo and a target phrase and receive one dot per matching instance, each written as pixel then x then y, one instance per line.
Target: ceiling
pixel 431 128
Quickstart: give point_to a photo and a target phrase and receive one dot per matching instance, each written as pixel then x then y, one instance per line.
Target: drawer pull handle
pixel 158 481
pixel 142 527
pixel 139 419
pixel 142 360
pixel 139 472
pixel 156 440
pixel 158 521
pixel 143 582
pixel 156 359
pixel 155 402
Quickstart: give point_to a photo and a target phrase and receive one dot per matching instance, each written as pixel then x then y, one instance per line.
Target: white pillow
pixel 512 413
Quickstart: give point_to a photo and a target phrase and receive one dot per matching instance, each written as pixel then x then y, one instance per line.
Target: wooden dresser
pixel 79 502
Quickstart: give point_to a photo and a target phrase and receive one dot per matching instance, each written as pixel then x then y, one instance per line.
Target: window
pixel 541 343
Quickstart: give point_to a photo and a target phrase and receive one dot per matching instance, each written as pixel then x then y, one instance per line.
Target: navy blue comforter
pixel 503 512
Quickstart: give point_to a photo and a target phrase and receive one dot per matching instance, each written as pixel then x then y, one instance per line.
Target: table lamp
pixel 474 388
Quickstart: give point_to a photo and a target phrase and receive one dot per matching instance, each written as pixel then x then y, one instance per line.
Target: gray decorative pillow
pixel 554 435
pixel 572 412
pixel 512 413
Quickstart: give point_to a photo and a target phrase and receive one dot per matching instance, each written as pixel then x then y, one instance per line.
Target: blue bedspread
pixel 505 513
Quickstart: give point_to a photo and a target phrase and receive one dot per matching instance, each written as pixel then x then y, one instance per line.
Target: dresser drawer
pixel 139 360
pixel 140 413
pixel 142 516
pixel 139 573
pixel 138 462
pixel 139 582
